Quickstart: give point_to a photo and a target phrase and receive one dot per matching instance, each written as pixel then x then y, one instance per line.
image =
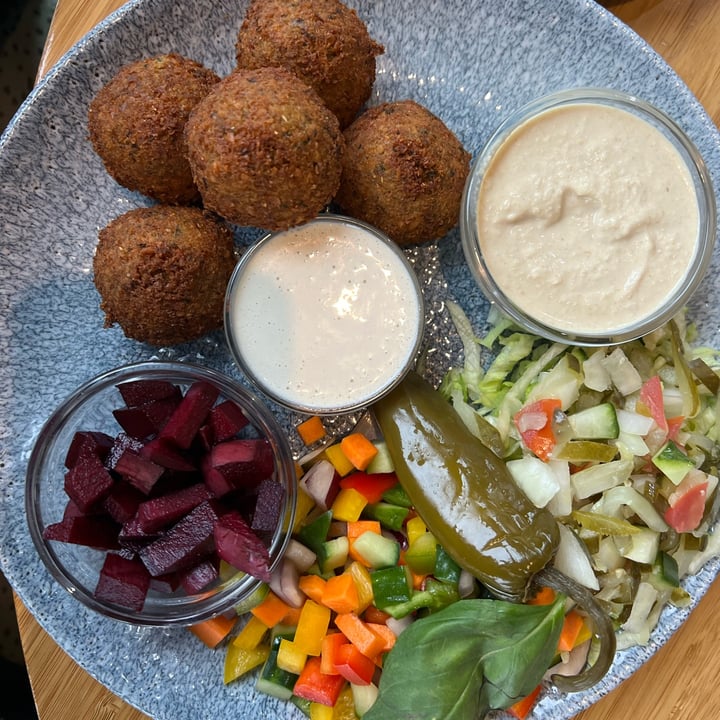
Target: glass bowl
pixel 77 567
pixel 325 318
pixel 566 225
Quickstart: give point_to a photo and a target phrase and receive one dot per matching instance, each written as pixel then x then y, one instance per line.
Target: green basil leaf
pixel 469 658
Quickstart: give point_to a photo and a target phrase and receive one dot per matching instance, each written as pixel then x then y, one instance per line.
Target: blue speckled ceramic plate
pixel 469 61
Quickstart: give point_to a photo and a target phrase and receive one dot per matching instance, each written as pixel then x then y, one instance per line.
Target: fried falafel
pixel 162 272
pixel 404 172
pixel 136 124
pixel 323 42
pixel 264 150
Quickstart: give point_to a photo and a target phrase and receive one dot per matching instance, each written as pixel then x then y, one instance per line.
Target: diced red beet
pixel 199 577
pixel 71 510
pixel 165 583
pixel 121 503
pixel 268 507
pixel 96 531
pixel 239 546
pixel 144 421
pixel 123 582
pixel 216 482
pixel 133 538
pixel 162 453
pixel 190 414
pixel 85 441
pixel 186 543
pixel 243 463
pixel 225 421
pixel 159 512
pixel 141 392
pixel 139 471
pixel 122 442
pixel 88 482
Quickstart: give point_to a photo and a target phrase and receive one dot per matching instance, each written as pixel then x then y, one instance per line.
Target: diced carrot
pixel 387 635
pixel 213 631
pixel 328 654
pixel 572 625
pixel 314 685
pixel 358 450
pixel 359 634
pixel 355 530
pixel 522 708
pixel 272 610
pixel 313 586
pixel 341 594
pixel 292 617
pixel 375 615
pixel 544 596
pixel 372 486
pixel 311 430
pixel 251 635
pixel 354 665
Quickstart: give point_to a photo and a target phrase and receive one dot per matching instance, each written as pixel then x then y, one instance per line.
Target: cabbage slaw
pixel 620 443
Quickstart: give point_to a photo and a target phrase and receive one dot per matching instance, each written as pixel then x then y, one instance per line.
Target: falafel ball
pixel 136 124
pixel 404 172
pixel 323 42
pixel 162 271
pixel 264 150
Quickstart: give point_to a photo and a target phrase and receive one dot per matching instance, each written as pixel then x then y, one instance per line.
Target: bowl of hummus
pixel 589 217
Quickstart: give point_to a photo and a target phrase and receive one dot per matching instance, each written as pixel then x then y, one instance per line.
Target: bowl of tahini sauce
pixel 589 217
pixel 325 317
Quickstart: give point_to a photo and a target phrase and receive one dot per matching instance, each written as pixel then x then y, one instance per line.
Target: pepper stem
pixel 602 628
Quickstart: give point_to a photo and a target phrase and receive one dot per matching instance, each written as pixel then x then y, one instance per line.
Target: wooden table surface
pixel 681 681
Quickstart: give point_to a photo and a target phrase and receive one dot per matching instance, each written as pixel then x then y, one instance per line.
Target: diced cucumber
pixel 272 680
pixel 390 586
pixel 396 495
pixel 382 462
pixel 672 462
pixel 364 697
pixel 388 515
pixel 332 554
pixel 377 550
pixel 595 423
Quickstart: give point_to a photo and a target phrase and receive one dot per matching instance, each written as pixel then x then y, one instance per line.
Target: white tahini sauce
pixel 587 218
pixel 325 315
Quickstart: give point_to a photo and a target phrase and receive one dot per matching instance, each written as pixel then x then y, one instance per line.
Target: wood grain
pixel 680 682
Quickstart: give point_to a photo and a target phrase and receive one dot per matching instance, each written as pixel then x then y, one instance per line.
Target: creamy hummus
pixel 587 218
pixel 325 315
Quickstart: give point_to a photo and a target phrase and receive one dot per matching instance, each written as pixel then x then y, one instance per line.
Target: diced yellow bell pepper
pixel 344 708
pixel 303 506
pixel 251 635
pixel 348 505
pixel 290 657
pixel 312 627
pixel 363 584
pixel 339 460
pixel 414 527
pixel 239 661
pixel 318 711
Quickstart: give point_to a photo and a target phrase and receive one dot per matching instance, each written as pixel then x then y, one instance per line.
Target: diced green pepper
pixel 314 534
pixel 434 597
pixel 390 586
pixel 446 569
pixel 397 496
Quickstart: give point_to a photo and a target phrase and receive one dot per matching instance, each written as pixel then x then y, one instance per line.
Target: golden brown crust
pixel 162 271
pixel 264 149
pixel 136 124
pixel 323 42
pixel 404 172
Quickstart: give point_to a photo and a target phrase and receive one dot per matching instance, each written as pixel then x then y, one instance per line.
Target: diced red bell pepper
pixel 370 485
pixel 651 396
pixel 687 508
pixel 317 686
pixel 352 665
pixel 534 423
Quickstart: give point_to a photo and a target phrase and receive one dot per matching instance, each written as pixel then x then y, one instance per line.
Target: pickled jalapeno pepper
pixel 464 492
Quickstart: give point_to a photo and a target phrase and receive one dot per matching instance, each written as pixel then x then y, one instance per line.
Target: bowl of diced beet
pixel 161 493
